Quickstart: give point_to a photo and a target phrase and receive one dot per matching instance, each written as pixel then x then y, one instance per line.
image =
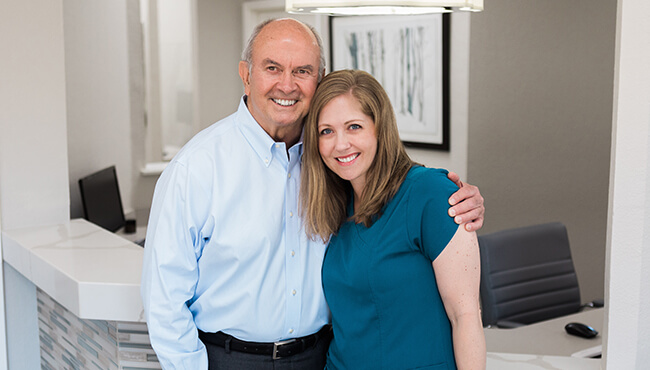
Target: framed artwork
pixel 409 56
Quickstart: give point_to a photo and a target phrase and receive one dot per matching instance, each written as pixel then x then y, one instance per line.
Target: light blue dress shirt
pixel 225 247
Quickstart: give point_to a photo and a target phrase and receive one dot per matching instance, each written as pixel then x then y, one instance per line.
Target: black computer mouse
pixel 580 330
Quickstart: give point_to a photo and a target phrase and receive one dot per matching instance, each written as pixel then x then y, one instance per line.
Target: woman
pixel 400 277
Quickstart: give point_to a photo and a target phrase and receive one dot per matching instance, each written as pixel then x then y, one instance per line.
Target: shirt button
pixel 293 253
pixel 289 175
pixel 290 331
pixel 266 160
pixel 290 214
pixel 293 292
pixel 277 145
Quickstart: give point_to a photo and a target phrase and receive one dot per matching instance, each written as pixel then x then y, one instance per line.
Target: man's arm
pixel 467 204
pixel 170 275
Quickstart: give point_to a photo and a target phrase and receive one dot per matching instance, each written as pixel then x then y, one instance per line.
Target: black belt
pixel 277 350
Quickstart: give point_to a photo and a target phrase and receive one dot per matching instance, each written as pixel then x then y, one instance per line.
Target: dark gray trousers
pixel 311 359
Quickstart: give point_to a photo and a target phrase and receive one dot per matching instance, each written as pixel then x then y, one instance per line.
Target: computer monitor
pixel 100 197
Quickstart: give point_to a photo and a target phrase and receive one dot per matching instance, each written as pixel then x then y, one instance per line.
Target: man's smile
pixel 285 102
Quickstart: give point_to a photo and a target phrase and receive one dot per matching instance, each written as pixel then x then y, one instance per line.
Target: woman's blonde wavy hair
pixel 324 195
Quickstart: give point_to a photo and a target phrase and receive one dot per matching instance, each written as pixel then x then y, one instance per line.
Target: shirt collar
pixel 258 139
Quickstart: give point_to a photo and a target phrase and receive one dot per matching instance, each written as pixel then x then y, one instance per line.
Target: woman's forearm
pixel 469 342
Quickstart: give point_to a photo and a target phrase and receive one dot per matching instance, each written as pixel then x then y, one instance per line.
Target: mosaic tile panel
pixel 68 342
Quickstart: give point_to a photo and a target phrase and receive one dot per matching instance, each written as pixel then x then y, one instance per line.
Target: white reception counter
pixel 93 273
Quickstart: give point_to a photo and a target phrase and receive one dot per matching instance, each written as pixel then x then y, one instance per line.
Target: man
pixel 229 277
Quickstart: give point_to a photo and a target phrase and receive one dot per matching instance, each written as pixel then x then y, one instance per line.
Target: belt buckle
pixel 276 345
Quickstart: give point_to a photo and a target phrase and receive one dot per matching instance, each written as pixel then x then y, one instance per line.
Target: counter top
pixel 512 361
pixel 547 337
pixel 90 271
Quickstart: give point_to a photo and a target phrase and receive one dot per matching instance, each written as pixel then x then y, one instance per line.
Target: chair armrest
pixel 506 324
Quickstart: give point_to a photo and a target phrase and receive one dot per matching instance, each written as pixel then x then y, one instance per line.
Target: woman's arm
pixel 458 274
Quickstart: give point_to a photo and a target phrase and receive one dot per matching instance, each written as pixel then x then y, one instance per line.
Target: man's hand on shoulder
pixel 467 204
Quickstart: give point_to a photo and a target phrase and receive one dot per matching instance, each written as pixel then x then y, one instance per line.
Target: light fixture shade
pixel 373 7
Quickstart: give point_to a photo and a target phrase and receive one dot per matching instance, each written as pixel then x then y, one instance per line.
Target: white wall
pixel 103 72
pixel 33 153
pixel 627 344
pixel 176 63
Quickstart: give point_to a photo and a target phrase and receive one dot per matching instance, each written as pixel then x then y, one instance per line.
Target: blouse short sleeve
pixel 429 225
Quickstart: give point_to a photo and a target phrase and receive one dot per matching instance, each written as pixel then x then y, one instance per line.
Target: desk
pixel 546 337
pixel 512 361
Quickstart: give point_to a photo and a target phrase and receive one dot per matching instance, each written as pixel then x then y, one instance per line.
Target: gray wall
pixel 541 82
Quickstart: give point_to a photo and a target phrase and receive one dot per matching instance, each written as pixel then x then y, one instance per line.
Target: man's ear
pixel 245 75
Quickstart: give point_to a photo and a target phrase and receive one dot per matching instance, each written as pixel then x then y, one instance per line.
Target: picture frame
pixel 409 56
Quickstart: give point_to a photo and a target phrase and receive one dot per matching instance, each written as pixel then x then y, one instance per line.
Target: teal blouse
pixel 379 283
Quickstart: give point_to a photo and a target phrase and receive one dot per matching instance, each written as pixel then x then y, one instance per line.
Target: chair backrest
pixel 527 275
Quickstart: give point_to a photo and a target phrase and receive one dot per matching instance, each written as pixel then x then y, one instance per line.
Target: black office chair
pixel 527 275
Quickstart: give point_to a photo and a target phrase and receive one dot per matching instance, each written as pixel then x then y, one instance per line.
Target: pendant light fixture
pixel 381 7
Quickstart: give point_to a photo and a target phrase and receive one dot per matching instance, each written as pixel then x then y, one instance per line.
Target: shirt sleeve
pixel 429 224
pixel 170 270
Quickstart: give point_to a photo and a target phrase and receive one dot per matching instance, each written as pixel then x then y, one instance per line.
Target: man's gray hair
pixel 247 54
